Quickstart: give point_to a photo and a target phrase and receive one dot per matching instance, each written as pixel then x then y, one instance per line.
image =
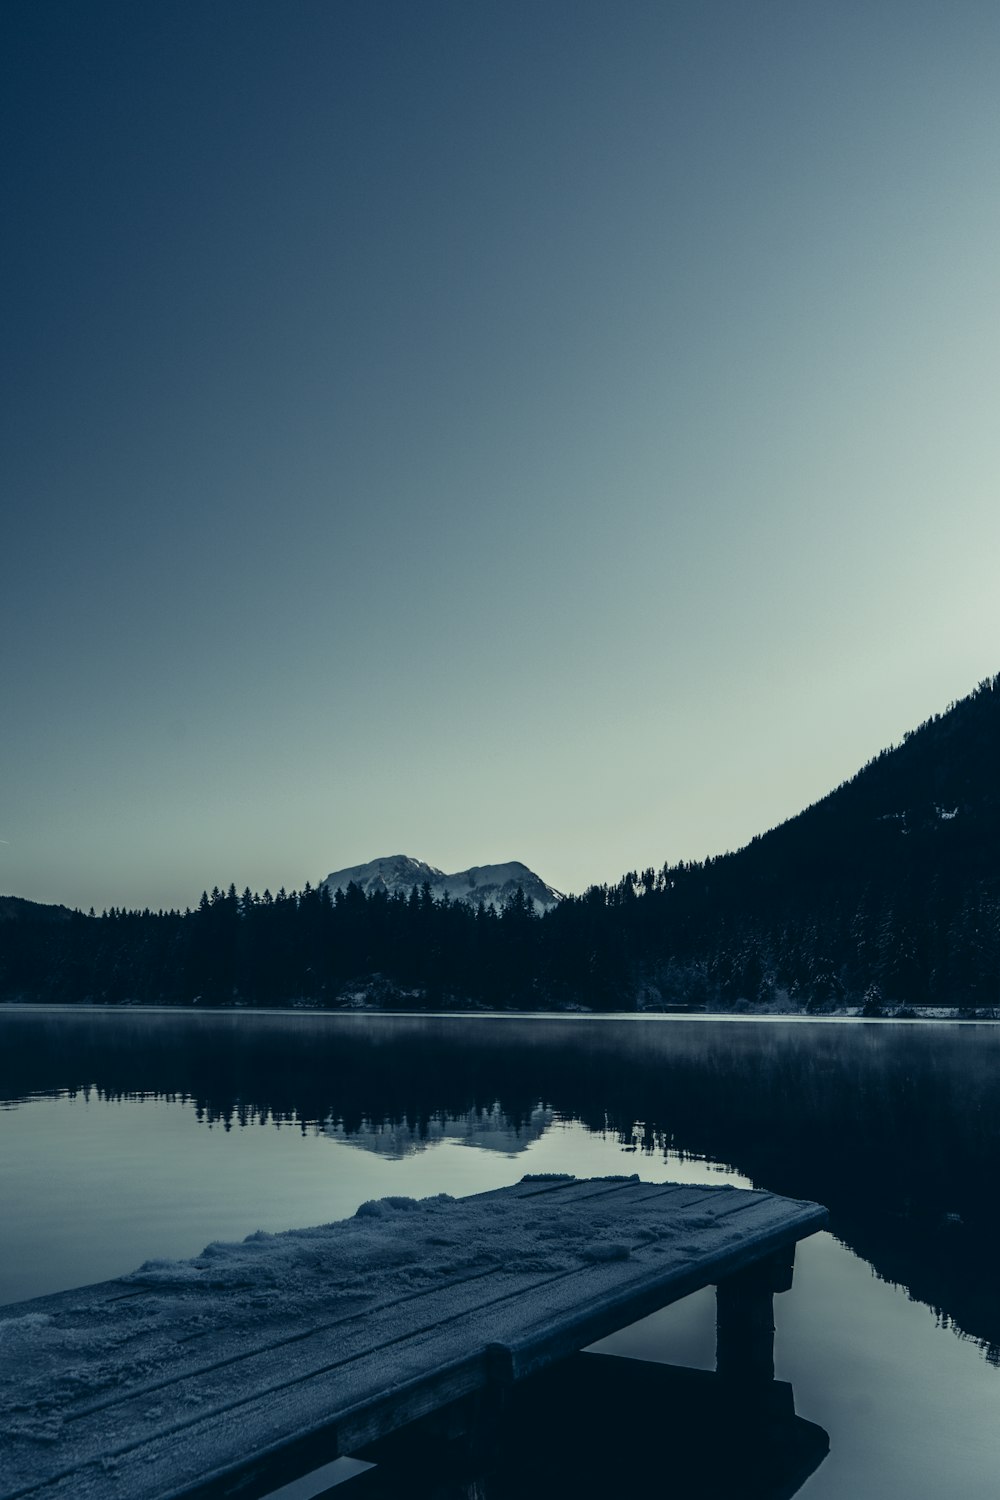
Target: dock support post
pixel 442 1456
pixel 744 1329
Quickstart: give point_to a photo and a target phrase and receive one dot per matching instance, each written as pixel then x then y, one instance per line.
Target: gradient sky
pixel 552 431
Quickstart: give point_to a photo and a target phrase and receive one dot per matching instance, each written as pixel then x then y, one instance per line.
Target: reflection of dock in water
pixel 599 1426
pixel 411 1326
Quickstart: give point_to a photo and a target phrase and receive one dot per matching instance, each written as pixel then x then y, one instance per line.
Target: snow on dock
pixel 236 1370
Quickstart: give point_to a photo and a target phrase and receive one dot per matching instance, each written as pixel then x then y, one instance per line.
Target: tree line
pixel 885 892
pixel 687 935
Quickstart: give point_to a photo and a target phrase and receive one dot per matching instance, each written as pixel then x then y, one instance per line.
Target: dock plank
pixel 192 1377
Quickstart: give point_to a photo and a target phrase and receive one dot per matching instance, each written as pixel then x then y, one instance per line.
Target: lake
pixel 129 1135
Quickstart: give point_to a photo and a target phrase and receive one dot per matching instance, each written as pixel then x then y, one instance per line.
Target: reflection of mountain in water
pixel 895 1128
pixel 489 1129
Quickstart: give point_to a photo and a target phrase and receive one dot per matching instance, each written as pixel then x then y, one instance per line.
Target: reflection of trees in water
pixel 896 1129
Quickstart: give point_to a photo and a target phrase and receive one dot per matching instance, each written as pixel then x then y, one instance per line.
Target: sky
pixel 519 429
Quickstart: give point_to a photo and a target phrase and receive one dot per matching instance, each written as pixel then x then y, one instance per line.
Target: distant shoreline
pixel 936 1014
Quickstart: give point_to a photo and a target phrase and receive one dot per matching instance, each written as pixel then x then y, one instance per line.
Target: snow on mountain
pixel 491 884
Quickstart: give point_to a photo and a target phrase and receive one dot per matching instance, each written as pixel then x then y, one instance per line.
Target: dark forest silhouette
pixel 885 892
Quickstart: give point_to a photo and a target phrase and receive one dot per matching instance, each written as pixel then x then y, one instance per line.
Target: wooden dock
pixel 232 1373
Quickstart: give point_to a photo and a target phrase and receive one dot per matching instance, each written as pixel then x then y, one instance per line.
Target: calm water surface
pixel 126 1136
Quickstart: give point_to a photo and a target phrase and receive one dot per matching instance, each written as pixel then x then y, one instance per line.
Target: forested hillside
pixel 886 891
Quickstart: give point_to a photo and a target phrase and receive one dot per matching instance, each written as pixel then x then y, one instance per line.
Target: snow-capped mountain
pixel 487 883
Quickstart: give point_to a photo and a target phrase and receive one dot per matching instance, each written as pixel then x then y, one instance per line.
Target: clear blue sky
pixel 552 431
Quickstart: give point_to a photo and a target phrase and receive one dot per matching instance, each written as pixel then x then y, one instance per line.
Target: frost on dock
pixel 333 1336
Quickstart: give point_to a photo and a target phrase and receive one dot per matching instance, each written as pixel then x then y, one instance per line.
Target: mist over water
pixel 126 1136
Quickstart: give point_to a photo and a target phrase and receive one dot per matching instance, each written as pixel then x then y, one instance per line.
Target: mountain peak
pixel 491 884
